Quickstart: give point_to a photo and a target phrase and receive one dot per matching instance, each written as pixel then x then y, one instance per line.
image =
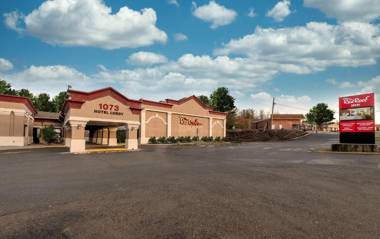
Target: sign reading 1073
pixel 108 109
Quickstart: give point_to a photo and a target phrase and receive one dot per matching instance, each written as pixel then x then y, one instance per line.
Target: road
pixel 251 190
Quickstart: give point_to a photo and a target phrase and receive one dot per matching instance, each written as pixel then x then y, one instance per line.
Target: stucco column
pixel 67 135
pixel 224 128
pixel 105 136
pixel 30 137
pixel 131 141
pixel 169 124
pixel 78 142
pixel 143 139
pixel 27 130
pixel 210 126
pixel 112 137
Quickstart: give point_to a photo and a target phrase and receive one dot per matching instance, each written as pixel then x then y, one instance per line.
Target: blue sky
pixel 301 52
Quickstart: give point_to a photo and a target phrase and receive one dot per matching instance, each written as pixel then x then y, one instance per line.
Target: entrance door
pixel 36 135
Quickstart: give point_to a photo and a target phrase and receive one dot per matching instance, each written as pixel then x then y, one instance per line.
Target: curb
pixel 353 153
pixel 300 137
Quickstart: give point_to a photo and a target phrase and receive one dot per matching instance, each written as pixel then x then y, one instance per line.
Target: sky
pixel 302 52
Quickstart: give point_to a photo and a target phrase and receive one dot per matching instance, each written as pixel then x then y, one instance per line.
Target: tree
pixel 43 103
pixel 245 118
pixel 222 101
pixel 49 135
pixel 320 114
pixel 205 100
pixel 59 100
pixel 6 88
pixel 26 93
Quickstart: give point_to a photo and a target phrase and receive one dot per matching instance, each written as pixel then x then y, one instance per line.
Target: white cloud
pixel 372 85
pixel 180 37
pixel 252 12
pixel 173 2
pixel 332 81
pixel 348 10
pixel 310 48
pixel 5 65
pixel 50 79
pixel 146 58
pixel 285 104
pixel 342 85
pixel 280 11
pixel 189 74
pixel 215 14
pixel 369 86
pixel 346 84
pixel 12 20
pixel 89 23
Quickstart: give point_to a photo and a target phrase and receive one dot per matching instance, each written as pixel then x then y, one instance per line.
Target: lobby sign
pixel 108 109
pixel 357 118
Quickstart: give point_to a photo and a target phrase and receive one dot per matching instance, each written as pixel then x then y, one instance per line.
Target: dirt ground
pixel 250 190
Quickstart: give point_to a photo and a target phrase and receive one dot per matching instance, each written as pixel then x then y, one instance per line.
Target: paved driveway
pixel 253 190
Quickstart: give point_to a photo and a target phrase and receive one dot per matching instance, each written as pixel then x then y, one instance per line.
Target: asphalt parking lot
pixel 252 190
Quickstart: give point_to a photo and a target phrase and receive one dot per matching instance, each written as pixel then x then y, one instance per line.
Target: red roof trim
pixel 218 113
pixel 19 99
pixel 288 116
pixel 193 97
pixel 183 100
pixel 80 96
pixel 72 104
pixel 155 103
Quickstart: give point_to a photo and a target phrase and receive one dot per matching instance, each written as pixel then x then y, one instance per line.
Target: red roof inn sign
pixel 357 119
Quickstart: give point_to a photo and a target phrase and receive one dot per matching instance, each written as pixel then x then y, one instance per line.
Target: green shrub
pixel 218 139
pixel 204 138
pixel 181 139
pixel 210 139
pixel 195 138
pixel 187 139
pixel 153 140
pixel 162 140
pixel 171 140
pixel 48 134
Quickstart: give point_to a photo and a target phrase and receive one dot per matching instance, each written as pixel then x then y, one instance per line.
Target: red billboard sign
pixel 357 114
pixel 357 101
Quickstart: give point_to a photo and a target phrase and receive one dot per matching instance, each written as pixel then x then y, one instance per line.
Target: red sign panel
pixel 357 113
pixel 357 126
pixel 357 101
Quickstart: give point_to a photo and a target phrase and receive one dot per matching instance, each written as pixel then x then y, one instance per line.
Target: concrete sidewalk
pixel 32 146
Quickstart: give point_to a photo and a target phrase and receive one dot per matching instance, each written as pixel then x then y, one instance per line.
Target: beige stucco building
pixel 16 121
pixel 102 112
pixel 94 117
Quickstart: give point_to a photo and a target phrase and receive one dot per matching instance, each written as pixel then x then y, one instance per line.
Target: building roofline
pixel 19 99
pixel 155 103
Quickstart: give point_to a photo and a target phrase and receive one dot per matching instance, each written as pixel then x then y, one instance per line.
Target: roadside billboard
pixel 357 119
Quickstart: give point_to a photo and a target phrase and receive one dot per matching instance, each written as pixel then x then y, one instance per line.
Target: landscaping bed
pixel 184 140
pixel 259 135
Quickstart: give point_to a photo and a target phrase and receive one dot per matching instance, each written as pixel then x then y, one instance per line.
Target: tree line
pixel 42 102
pixel 219 100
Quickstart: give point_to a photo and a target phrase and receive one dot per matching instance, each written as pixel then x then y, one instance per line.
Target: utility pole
pixel 271 116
